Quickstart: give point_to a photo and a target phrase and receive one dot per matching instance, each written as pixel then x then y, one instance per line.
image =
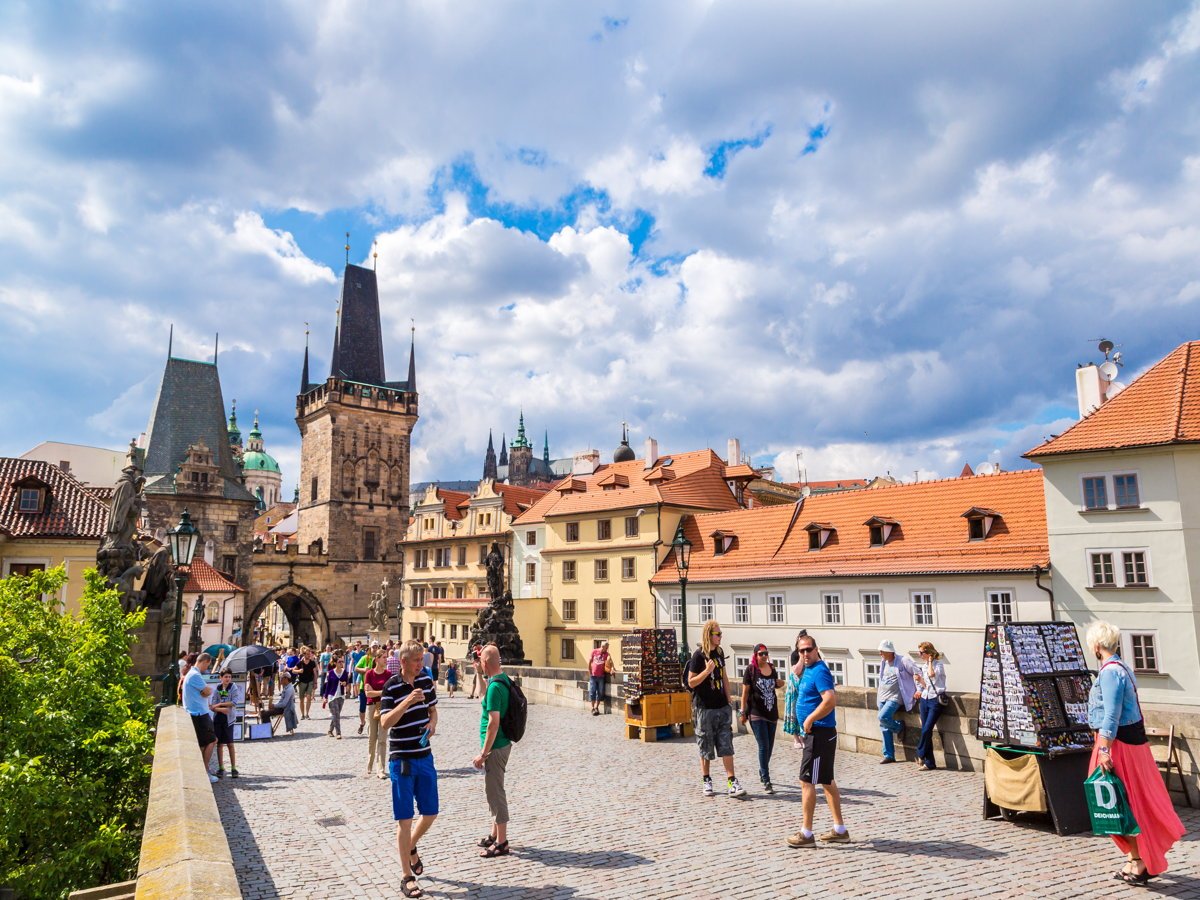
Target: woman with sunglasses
pixel 790 725
pixel 761 709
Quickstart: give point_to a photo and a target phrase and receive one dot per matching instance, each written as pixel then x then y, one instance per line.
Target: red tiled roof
pixel 695 479
pixel 1160 407
pixel 69 511
pixel 451 501
pixel 204 578
pixel 932 537
pixel 840 484
pixel 517 499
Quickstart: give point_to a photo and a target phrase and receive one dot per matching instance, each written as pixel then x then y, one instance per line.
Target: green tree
pixel 75 740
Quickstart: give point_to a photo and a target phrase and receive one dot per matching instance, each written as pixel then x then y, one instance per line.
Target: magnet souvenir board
pixel 1034 687
pixel 650 658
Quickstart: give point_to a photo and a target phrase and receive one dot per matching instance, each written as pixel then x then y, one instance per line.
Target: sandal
pixel 487 841
pixel 418 867
pixel 410 888
pixel 495 850
pixel 1133 877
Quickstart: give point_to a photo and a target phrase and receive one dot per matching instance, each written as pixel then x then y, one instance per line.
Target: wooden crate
pixel 649 733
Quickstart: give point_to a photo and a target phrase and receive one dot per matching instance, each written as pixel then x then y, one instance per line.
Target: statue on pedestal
pixel 495 624
pixel 378 612
pixel 124 559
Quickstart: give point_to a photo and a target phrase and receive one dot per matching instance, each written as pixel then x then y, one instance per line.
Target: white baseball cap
pixel 887 647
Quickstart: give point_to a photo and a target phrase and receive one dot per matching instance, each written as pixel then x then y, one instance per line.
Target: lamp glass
pixel 183 540
pixel 683 551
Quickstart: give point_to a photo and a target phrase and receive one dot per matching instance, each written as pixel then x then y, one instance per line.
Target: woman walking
pixel 1116 716
pixel 932 691
pixel 759 707
pixel 377 738
pixel 333 693
pixel 790 724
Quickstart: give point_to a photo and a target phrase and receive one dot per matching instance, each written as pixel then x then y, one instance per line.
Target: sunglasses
pixel 764 653
pixel 716 634
pixel 806 649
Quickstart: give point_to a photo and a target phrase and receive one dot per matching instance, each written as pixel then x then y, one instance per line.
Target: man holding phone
pixel 712 713
pixel 408 710
pixel 816 701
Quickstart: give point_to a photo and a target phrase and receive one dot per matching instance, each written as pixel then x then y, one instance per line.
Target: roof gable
pixel 68 510
pixel 1160 407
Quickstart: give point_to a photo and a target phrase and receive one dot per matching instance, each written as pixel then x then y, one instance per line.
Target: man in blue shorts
pixel 816 701
pixel 408 709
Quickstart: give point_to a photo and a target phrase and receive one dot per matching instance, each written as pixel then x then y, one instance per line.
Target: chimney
pixel 586 462
pixel 651 452
pixel 1090 389
pixel 733 452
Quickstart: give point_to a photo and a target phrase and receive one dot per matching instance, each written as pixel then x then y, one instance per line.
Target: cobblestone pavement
pixel 598 816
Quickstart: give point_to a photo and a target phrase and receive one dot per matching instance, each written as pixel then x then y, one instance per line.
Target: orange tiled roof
pixel 204 578
pixel 451 501
pixel 517 499
pixel 695 479
pixel 932 537
pixel 1160 407
pixel 840 484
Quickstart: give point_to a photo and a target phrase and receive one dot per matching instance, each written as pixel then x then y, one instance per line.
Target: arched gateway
pixel 305 614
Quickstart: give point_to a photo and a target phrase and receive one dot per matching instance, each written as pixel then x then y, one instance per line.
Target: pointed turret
pixel 489 460
pixel 546 450
pixel 412 362
pixel 503 450
pixel 358 339
pixel 304 371
pixel 522 441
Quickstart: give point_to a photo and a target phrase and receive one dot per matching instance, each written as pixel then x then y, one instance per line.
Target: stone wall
pixel 185 854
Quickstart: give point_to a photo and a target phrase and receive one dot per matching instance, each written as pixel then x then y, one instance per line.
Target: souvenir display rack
pixel 650 659
pixel 1033 695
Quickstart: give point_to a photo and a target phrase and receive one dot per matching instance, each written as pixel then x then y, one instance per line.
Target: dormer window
pixel 980 522
pixel 722 542
pixel 881 529
pixel 819 534
pixel 31 494
pixel 31 500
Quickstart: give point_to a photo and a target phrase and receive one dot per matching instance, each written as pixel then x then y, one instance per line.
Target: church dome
pixel 258 460
pixel 624 453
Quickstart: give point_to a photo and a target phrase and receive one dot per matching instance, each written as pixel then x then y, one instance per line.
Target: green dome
pixel 257 460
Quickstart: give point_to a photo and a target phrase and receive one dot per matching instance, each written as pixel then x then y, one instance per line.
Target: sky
pixel 862 237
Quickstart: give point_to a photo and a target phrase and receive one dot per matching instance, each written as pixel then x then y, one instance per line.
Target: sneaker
pixel 798 840
pixel 220 773
pixel 736 789
pixel 708 787
pixel 213 779
pixel 233 773
pixel 768 788
pixel 832 837
pixel 886 760
pixel 339 737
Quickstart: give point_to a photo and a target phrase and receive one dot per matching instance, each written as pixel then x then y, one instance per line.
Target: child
pixel 451 678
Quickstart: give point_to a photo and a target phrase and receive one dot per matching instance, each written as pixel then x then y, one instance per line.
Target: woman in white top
pixel 932 694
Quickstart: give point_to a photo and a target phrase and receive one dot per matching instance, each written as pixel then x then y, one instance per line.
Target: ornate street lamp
pixel 182 539
pixel 683 558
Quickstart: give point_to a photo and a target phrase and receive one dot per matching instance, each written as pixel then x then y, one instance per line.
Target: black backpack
pixel 512 723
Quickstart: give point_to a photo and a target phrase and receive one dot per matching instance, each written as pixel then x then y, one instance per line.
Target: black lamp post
pixel 182 539
pixel 683 558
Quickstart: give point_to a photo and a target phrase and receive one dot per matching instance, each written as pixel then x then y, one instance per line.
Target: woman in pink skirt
pixel 1116 715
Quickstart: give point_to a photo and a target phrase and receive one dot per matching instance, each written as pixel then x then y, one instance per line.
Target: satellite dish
pixel 1114 388
pixel 986 468
pixel 1105 346
pixel 1108 371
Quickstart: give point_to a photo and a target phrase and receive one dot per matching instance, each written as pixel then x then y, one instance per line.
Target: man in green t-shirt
pixel 493 758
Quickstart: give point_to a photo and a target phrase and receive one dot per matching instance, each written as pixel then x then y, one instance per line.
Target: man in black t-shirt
pixel 711 711
pixel 408 710
pixel 305 673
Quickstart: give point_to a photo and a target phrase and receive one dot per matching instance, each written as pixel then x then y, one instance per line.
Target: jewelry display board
pixel 1034 687
pixel 650 659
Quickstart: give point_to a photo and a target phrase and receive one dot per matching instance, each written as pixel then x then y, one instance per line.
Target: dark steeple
pixel 304 371
pixel 358 340
pixel 489 460
pixel 504 449
pixel 624 453
pixel 546 450
pixel 412 362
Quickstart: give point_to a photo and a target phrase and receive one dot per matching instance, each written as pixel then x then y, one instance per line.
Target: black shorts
pixel 820 748
pixel 204 729
pixel 223 728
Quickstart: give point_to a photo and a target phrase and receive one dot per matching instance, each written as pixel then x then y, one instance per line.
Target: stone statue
pixel 160 575
pixel 383 599
pixel 195 642
pixel 378 612
pixel 119 549
pixel 494 562
pixel 495 624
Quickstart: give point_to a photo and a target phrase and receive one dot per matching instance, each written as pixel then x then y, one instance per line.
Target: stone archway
pixel 305 614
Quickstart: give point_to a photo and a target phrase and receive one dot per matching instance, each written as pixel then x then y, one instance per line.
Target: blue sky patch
pixel 724 151
pixel 816 134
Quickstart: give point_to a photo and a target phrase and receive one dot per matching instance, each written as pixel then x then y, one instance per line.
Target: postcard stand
pixel 1033 699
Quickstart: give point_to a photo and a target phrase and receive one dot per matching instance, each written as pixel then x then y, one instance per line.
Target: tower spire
pixel 170 340
pixel 304 371
pixel 412 360
pixel 546 450
pixel 347 248
pixel 489 460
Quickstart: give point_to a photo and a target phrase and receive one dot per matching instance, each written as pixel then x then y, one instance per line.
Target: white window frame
pixel 675 608
pixel 1127 650
pixel 871 669
pixel 741 609
pixel 777 617
pixel 1110 490
pixel 531 538
pixel 741 664
pixel 708 607
pixel 837 668
pixel 990 594
pixel 781 665
pixel 530 572
pixel 862 599
pixel 1118 565
pixel 633 607
pixel 831 608
pixel 912 605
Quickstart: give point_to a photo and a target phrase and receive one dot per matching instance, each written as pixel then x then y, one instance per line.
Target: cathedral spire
pixel 522 440
pixel 546 450
pixel 489 460
pixel 304 371
pixel 504 449
pixel 412 362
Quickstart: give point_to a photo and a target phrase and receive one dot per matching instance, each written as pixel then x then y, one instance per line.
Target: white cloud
pixel 252 236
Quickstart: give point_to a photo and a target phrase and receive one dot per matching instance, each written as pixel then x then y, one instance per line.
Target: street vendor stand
pixel 1033 721
pixel 654 705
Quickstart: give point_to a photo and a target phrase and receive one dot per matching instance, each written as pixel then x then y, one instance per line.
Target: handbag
pixel 1108 806
pixel 940 696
